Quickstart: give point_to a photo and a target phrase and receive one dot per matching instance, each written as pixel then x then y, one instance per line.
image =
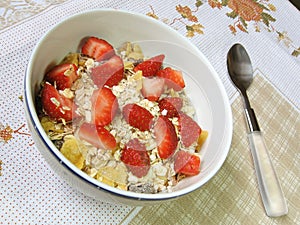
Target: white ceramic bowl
pixel 203 86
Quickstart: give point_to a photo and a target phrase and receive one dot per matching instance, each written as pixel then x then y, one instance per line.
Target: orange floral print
pixel 215 3
pixel 195 28
pixel 6 132
pixel 187 13
pixel 152 13
pixel 247 9
pixel 283 37
pixel 187 17
pixel 243 12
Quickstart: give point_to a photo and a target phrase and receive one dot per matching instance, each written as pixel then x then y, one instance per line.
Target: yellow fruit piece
pixel 128 65
pixel 201 139
pixel 137 48
pixel 71 58
pixel 113 176
pixel 47 124
pixel 71 150
pixel 138 75
pixel 135 55
pixel 92 172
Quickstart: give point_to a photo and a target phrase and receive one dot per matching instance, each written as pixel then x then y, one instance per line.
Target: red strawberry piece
pixel 136 158
pixel 173 78
pixel 109 73
pixel 104 106
pixel 98 49
pixel 98 136
pixel 150 66
pixel 152 88
pixel 186 163
pixel 172 105
pixel 137 116
pixel 62 75
pixel 165 137
pixel 55 105
pixel 189 130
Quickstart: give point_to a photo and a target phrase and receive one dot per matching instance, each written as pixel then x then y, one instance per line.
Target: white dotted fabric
pixel 30 192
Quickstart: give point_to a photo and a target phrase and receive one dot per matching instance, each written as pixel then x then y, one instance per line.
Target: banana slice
pixel 71 58
pixel 113 176
pixel 71 150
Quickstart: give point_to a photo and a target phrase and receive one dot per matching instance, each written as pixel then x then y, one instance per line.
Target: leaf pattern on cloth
pixel 6 132
pixel 243 12
pixel 187 18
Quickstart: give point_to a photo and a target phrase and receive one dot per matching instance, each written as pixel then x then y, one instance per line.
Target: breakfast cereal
pixel 123 119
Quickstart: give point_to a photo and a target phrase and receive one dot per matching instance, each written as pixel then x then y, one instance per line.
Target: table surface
pixel 31 193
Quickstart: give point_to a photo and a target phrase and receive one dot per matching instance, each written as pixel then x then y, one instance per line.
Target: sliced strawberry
pixel 173 78
pixel 97 48
pixel 137 116
pixel 152 88
pixel 104 106
pixel 186 163
pixel 189 130
pixel 55 105
pixel 136 158
pixel 62 75
pixel 109 73
pixel 165 137
pixel 98 136
pixel 150 66
pixel 172 105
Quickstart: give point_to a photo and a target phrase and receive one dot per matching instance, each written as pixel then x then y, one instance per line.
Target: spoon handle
pixel 271 193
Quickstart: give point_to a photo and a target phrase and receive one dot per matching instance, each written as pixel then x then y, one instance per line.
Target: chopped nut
pixel 55 101
pixel 67 93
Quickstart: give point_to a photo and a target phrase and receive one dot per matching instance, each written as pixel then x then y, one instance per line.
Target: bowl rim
pixel 30 107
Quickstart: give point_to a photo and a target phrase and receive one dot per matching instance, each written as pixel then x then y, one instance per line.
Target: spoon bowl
pixel 240 67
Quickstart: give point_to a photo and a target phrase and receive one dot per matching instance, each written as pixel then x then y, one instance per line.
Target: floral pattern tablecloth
pixel 30 193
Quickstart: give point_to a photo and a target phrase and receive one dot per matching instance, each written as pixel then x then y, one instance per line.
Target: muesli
pixel 123 119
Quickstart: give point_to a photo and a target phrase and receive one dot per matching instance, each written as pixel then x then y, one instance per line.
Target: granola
pixel 150 169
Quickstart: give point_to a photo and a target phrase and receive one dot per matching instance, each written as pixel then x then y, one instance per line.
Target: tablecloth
pixel 31 193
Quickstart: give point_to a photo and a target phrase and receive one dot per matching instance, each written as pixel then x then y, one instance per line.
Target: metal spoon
pixel 241 73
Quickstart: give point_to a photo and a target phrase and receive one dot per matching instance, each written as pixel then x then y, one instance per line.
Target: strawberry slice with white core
pixel 173 78
pixel 189 130
pixel 104 106
pixel 137 116
pixel 110 73
pixel 136 158
pixel 186 163
pixel 152 88
pixel 63 76
pixel 170 106
pixel 98 136
pixel 150 66
pixel 55 105
pixel 98 49
pixel 165 137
